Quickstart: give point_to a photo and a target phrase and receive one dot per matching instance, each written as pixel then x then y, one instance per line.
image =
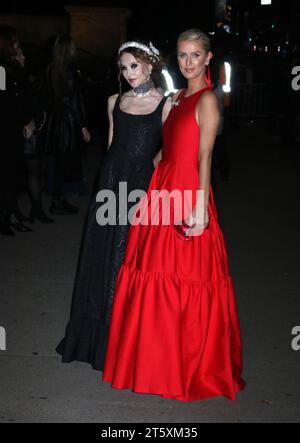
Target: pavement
pixel 259 212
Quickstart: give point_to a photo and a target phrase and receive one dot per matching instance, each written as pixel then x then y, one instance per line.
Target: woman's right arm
pixel 110 109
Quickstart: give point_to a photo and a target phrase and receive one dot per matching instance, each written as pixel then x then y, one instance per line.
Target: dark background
pixel 258 209
pixel 162 21
pixel 158 16
pixel 262 38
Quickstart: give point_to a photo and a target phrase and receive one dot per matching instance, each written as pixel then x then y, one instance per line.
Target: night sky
pixel 157 20
pixel 161 21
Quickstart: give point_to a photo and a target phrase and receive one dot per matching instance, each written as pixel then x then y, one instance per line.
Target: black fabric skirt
pixel 62 131
pixel 12 164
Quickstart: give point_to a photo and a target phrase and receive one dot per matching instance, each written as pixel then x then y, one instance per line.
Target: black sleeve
pixel 79 107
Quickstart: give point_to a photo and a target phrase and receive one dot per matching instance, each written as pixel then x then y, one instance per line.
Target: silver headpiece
pixel 150 50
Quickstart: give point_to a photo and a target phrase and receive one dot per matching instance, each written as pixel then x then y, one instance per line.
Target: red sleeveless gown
pixel 175 329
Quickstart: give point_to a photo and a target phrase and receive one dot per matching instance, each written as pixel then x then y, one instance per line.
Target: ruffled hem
pixel 145 391
pixel 173 337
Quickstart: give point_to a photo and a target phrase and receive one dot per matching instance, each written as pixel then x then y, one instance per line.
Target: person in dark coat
pixel 16 124
pixel 66 121
pixel 32 151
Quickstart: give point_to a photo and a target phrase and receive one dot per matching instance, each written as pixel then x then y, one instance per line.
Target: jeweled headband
pixel 150 50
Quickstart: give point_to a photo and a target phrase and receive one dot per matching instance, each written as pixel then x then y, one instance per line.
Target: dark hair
pixel 59 72
pixel 64 51
pixel 156 62
pixel 8 39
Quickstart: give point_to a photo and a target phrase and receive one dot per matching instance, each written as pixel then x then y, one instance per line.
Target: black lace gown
pixel 136 141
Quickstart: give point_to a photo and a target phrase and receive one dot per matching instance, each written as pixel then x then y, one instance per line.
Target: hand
pixel 86 135
pixel 28 130
pixel 198 220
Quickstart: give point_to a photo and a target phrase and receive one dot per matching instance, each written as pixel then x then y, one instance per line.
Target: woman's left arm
pixel 208 118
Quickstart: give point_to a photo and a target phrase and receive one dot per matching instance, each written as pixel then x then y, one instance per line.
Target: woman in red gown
pixel 175 329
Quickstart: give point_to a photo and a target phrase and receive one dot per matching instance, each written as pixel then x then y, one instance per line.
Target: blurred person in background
pixel 16 125
pixel 65 129
pixel 32 152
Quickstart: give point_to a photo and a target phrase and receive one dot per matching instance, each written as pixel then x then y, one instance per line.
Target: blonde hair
pixel 196 34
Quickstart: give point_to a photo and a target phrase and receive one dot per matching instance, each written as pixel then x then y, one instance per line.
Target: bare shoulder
pixel 112 99
pixel 167 108
pixel 172 99
pixel 168 103
pixel 111 103
pixel 207 111
pixel 208 101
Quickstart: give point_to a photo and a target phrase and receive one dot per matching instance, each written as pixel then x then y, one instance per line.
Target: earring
pixel 208 77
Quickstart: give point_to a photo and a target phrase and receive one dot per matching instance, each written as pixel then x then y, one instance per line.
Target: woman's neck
pixel 195 85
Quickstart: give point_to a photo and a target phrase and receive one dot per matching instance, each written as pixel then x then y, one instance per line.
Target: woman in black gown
pixel 136 120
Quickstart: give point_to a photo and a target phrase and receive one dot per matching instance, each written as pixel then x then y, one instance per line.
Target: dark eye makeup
pixel 133 66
